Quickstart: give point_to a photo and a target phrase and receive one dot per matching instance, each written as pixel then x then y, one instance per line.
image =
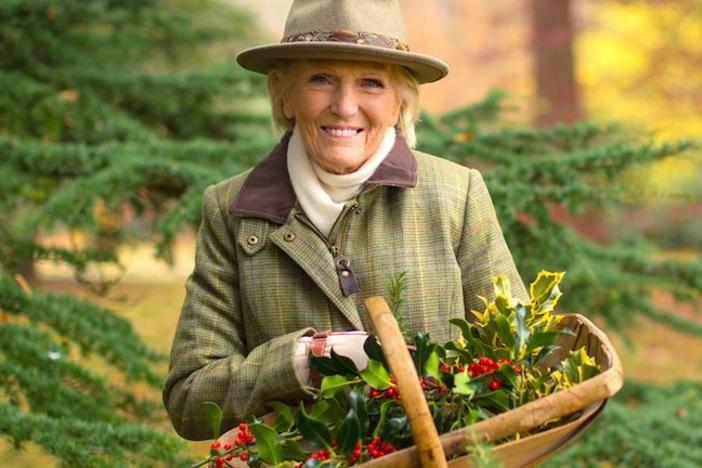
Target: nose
pixel 345 102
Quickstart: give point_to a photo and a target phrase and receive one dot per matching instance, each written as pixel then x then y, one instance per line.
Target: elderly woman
pixel 287 251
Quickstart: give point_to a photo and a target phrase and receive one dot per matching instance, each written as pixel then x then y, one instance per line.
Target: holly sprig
pixel 495 364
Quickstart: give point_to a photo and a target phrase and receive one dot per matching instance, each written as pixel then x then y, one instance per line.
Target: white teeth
pixel 341 133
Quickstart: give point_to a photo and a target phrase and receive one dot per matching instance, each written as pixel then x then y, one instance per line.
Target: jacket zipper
pixel 342 264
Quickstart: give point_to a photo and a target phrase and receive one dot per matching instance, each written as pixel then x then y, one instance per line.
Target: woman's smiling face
pixel 342 110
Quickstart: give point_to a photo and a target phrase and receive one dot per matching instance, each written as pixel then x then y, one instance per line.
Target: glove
pixel 349 344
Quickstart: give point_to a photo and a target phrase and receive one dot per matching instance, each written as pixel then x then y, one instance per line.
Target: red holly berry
pixel 229 457
pixel 227 446
pixel 374 393
pixel 215 444
pixel 495 384
pixel 390 393
pixel 219 462
pixel 243 427
pixel 244 456
pixel 445 368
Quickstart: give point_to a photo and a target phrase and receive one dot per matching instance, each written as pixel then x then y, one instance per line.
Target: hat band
pixel 360 37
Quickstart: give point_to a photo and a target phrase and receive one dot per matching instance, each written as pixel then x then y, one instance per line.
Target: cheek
pixel 386 113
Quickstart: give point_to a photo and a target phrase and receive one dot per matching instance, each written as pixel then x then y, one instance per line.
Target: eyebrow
pixel 371 68
pixel 326 70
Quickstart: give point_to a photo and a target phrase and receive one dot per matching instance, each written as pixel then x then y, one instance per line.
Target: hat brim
pixel 263 59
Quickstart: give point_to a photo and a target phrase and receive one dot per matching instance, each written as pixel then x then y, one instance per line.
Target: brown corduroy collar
pixel 268 193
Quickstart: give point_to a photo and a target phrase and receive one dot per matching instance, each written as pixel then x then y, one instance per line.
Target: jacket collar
pixel 268 193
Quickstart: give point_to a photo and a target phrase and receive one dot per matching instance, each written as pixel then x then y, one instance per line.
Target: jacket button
pixel 289 236
pixel 252 240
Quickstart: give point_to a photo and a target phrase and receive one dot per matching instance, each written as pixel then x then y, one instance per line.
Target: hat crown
pixel 376 16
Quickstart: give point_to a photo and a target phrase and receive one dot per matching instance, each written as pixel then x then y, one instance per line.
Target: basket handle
pixel 426 438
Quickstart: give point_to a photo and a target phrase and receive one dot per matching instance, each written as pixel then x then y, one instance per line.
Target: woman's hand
pixel 349 344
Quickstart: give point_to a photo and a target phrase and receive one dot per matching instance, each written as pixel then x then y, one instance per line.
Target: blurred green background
pixel 114 115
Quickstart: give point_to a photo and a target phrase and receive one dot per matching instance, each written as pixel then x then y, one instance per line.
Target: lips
pixel 343 132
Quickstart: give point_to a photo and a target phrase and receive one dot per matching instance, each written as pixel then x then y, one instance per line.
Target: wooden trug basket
pixel 587 399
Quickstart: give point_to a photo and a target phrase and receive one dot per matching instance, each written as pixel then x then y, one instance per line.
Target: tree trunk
pixel 557 90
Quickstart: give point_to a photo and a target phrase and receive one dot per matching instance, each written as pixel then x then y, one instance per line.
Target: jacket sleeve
pixel 483 252
pixel 209 359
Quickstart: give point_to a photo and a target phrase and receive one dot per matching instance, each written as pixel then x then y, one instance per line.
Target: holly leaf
pixel 384 407
pixel 506 374
pixel 504 331
pixel 373 350
pixel 292 450
pixel 323 365
pixel 267 443
pixel 463 384
pixel 313 431
pixel 348 433
pixel 502 287
pixel 450 350
pixel 523 332
pixel 375 375
pixel 463 325
pixel 214 418
pixel 319 411
pixel 284 418
pixel 334 365
pixel 344 364
pixel 432 366
pixel 544 291
pixel 473 344
pixel 543 354
pixel 332 384
pixel 540 339
pixel 437 416
pixel 358 404
pixel 394 428
pixel 421 352
pixel 498 399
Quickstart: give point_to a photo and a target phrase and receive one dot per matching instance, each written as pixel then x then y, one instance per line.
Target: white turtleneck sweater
pixel 322 194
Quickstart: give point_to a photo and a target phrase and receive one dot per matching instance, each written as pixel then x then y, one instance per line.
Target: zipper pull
pixel 347 280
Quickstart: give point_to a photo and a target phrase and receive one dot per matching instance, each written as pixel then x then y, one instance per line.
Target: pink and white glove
pixel 348 343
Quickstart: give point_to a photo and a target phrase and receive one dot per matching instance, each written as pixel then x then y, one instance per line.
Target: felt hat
pixel 362 30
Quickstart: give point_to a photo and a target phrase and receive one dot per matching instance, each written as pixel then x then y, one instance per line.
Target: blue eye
pixel 373 83
pixel 319 79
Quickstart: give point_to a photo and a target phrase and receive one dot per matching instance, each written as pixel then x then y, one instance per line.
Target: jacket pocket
pixel 252 235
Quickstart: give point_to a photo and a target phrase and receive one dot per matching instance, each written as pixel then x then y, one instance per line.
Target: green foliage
pixel 86 443
pixel 106 107
pixel 397 289
pixel 529 172
pixel 644 425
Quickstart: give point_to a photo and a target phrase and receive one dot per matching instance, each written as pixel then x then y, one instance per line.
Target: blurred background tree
pixel 114 119
pixel 110 111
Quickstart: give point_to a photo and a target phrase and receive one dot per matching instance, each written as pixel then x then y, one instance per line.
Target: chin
pixel 342 163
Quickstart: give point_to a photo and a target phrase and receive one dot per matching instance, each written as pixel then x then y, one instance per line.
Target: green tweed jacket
pixel 264 276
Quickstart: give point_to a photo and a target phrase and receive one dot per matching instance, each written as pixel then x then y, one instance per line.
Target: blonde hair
pixel 279 82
